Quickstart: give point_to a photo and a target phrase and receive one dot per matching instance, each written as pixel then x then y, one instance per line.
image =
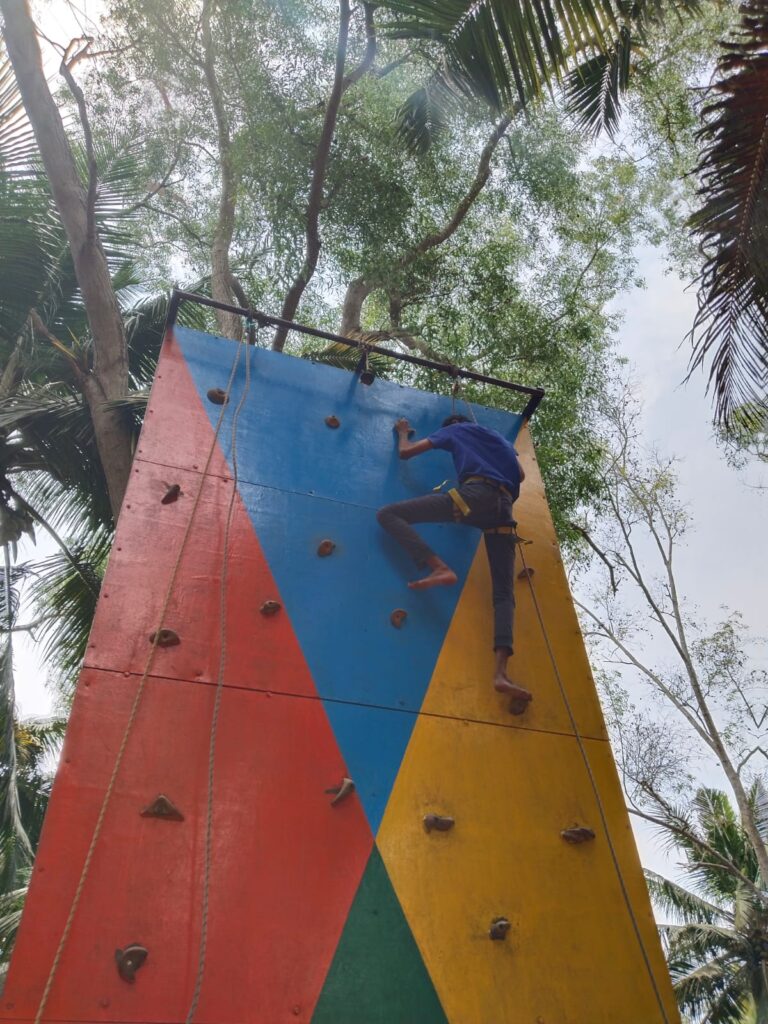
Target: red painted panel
pixel 285 869
pixel 178 431
pixel 262 652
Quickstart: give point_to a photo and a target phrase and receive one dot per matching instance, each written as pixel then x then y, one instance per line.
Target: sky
pixel 725 560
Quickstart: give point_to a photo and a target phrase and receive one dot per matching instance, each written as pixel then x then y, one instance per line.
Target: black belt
pixel 488 480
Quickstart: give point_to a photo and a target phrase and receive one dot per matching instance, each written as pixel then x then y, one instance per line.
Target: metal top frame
pixel 264 319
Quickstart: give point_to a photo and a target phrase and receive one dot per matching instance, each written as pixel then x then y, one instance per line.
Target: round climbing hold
pixel 398 617
pixel 218 396
pixel 270 608
pixel 333 422
pixel 499 928
pixel 165 638
pixel 525 574
pixel 325 548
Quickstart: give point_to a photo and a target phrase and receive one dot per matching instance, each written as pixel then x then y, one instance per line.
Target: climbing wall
pixel 312 908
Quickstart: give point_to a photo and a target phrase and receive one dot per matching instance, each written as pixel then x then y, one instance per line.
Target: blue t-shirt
pixel 480 451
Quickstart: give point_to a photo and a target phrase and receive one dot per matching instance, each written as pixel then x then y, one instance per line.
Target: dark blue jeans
pixel 489 508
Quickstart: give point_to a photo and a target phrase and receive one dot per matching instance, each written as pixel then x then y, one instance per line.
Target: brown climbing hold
pixel 438 822
pixel 519 705
pixel 161 807
pixel 218 396
pixel 342 791
pixel 398 617
pixel 270 608
pixel 333 422
pixel 499 928
pixel 171 495
pixel 525 574
pixel 578 834
pixel 129 960
pixel 325 548
pixel 165 638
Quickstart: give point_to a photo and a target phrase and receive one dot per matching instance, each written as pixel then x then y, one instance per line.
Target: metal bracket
pixel 342 791
pixel 129 960
pixel 165 638
pixel 438 822
pixel 578 834
pixel 161 807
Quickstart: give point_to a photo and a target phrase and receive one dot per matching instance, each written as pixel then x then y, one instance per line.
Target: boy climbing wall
pixel 489 475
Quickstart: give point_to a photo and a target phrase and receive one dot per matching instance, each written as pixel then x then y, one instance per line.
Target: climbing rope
pixel 134 708
pixel 596 791
pixel 208 860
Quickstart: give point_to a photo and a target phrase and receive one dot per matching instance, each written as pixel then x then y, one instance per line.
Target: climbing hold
pixel 341 791
pixel 398 617
pixel 333 422
pixel 161 807
pixel 499 928
pixel 218 396
pixel 129 960
pixel 325 548
pixel 578 834
pixel 171 495
pixel 165 638
pixel 525 574
pixel 270 608
pixel 438 822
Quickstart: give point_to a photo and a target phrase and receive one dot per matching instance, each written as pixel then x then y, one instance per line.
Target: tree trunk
pixel 109 378
pixel 229 324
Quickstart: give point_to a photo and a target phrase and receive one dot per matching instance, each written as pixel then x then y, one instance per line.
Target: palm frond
pixel 595 87
pixel 17 139
pixel 65 597
pixel 731 326
pixel 674 899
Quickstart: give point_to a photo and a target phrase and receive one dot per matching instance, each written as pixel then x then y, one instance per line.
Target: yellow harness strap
pixel 459 502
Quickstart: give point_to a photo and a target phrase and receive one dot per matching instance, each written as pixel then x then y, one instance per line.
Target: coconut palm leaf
pixel 504 53
pixel 730 330
pixel 672 898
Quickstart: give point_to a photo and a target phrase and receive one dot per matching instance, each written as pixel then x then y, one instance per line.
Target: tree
pixel 106 381
pixel 731 326
pixel 717 941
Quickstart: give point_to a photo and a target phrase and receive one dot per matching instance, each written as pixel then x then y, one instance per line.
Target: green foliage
pixel 717 941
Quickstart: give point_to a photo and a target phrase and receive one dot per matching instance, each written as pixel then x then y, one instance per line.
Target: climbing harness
pixel 134 707
pixel 596 791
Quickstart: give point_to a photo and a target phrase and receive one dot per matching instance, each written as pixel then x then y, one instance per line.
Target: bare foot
pixel 442 576
pixel 521 697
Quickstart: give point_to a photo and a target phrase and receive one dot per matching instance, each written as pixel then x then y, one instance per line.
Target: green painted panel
pixel 377 975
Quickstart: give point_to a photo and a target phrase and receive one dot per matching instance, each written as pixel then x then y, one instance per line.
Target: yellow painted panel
pixel 461 683
pixel 571 956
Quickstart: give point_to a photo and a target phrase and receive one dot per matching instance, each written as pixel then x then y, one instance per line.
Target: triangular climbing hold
pixel 377 975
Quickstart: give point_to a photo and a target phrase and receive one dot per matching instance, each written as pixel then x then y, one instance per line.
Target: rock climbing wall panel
pixel 282 894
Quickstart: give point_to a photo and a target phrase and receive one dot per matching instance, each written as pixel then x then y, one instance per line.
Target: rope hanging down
pixel 598 799
pixel 208 860
pixel 134 709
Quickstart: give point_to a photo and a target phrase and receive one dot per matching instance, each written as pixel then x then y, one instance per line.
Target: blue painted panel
pixel 303 482
pixel 282 438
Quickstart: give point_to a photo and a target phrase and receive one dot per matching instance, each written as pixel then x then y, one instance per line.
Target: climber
pixel 489 475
